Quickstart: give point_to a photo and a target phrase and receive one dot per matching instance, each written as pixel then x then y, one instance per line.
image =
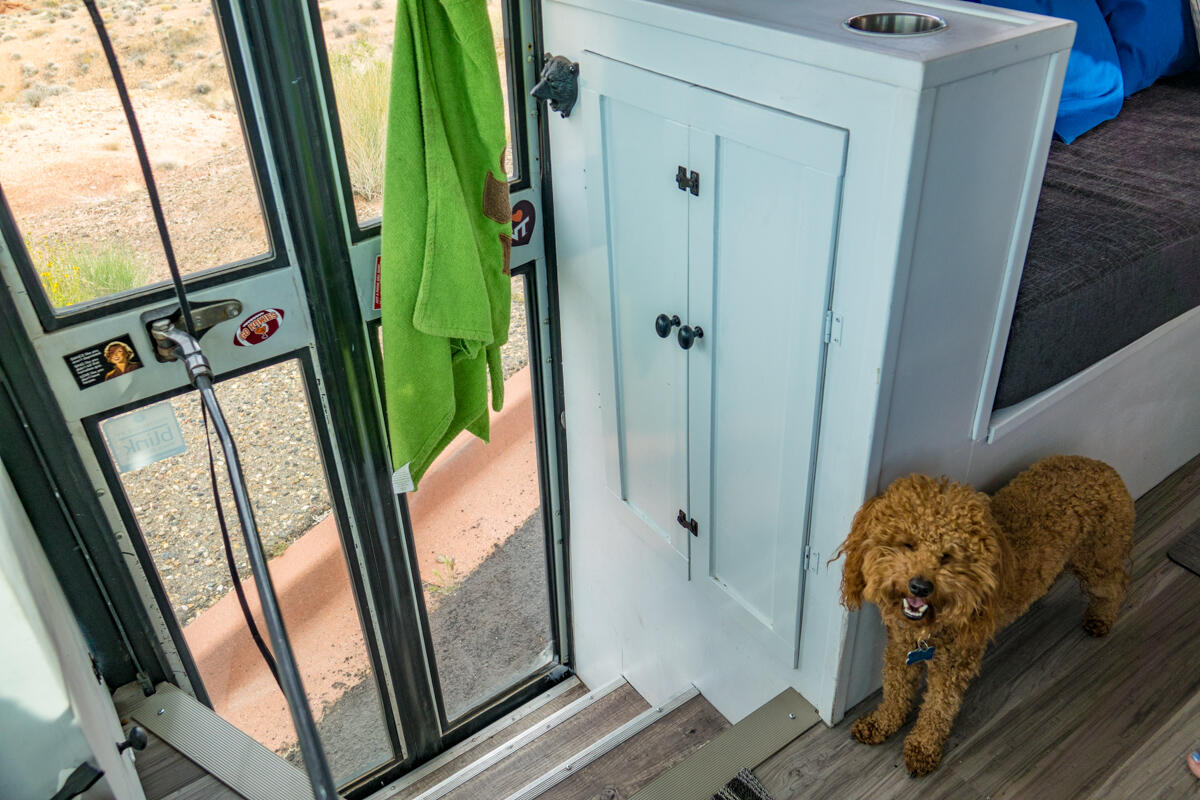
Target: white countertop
pixel 812 31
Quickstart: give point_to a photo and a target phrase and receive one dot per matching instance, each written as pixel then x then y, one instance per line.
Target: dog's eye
pixel 947 558
pixel 906 545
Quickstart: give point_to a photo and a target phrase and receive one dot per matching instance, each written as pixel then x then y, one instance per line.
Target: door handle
pixel 663 325
pixel 688 335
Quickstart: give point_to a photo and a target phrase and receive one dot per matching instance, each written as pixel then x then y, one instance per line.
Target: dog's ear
pixel 990 568
pixel 853 582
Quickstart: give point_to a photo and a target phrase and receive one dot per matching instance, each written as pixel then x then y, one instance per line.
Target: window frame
pixel 303 359
pixel 364 230
pixel 53 319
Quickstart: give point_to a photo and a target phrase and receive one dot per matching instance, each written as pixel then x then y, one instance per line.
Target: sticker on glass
pixel 103 362
pixel 141 437
pixel 523 219
pixel 378 283
pixel 258 327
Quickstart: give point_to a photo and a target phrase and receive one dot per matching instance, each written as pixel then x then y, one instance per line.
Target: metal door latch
pixel 559 84
pixel 688 524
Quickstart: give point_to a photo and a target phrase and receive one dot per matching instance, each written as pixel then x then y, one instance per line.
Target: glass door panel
pixel 358 47
pixel 479 535
pixel 170 501
pixel 68 165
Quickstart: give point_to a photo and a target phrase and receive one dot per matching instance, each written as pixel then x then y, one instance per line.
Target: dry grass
pixel 75 273
pixel 361 80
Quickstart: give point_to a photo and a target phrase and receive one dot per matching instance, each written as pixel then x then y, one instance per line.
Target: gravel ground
pixel 284 474
pixel 492 631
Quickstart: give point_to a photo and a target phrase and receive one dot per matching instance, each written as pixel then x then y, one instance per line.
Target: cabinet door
pixel 761 268
pixel 647 231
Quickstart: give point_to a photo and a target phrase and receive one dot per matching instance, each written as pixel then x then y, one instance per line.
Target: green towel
pixel 446 232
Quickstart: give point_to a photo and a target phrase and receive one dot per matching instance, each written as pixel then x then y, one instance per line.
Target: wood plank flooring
pixel 1055 714
pixel 641 759
pixel 492 742
pixel 167 774
pixel 552 748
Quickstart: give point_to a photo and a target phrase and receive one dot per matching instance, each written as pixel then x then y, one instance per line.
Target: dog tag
pixel 920 654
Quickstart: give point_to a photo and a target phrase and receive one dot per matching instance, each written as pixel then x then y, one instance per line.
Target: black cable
pixel 144 161
pixel 287 672
pixel 229 559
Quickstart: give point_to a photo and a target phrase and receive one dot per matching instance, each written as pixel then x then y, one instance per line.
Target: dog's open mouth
pixel 915 607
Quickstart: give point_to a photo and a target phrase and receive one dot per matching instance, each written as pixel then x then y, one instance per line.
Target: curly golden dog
pixel 949 566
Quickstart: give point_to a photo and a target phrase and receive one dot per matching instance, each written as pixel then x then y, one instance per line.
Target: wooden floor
pixel 1055 714
pixel 168 775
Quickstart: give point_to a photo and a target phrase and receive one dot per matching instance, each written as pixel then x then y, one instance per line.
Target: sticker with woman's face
pixel 103 362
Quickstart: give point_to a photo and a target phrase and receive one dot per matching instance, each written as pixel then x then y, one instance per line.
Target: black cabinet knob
pixel 688 335
pixel 663 324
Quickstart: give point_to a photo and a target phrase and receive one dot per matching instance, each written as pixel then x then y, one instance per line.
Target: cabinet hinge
pixel 687 181
pixel 687 524
pixel 812 561
pixel 833 327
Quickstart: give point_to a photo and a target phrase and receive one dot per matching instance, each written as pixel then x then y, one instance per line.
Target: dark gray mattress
pixel 1115 248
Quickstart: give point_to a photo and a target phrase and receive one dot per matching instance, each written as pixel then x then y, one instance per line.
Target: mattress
pixel 1115 246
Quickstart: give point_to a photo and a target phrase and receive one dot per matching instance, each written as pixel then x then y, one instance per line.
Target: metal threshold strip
pixel 745 745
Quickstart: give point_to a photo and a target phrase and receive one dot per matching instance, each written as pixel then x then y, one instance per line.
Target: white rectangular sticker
pixel 141 437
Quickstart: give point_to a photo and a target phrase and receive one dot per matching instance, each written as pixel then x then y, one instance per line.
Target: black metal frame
pixel 52 319
pixel 280 47
pixel 337 500
pixel 361 230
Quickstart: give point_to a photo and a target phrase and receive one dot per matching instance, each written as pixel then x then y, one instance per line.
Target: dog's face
pixel 928 553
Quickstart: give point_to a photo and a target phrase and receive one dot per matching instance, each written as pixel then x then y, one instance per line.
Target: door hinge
pixel 687 524
pixel 833 327
pixel 812 561
pixel 687 181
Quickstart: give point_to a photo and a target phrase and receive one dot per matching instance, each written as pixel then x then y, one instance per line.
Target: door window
pixel 169 502
pixel 69 171
pixel 358 53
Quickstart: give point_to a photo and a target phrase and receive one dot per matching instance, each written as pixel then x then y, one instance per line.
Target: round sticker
pixel 523 218
pixel 258 327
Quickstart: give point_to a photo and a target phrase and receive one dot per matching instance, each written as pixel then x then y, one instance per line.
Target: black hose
pixel 289 673
pixel 144 160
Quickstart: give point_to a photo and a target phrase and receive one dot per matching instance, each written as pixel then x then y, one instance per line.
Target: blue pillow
pixel 1094 87
pixel 1153 37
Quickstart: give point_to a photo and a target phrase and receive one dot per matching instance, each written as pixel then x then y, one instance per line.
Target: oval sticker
pixel 258 327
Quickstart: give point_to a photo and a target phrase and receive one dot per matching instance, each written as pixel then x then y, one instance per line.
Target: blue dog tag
pixel 922 653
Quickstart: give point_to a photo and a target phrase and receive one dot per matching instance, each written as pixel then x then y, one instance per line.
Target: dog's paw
pixel 868 731
pixel 921 757
pixel 1093 626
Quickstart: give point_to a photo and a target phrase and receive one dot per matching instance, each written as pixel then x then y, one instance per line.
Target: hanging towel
pixel 446 232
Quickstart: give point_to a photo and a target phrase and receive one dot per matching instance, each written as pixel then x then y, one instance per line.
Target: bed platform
pixel 1115 247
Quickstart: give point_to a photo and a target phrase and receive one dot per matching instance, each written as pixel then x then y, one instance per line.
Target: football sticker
pixel 258 327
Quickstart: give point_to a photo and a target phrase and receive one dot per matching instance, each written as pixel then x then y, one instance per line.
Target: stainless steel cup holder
pixel 895 24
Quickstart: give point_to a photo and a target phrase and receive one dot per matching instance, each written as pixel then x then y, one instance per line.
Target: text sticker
pixel 258 327
pixel 142 437
pixel 103 362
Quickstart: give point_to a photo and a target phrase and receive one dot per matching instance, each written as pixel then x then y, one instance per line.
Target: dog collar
pixel 922 652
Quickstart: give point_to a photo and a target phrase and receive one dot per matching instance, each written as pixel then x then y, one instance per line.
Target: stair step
pixel 488 740
pixel 634 763
pixel 745 745
pixel 531 761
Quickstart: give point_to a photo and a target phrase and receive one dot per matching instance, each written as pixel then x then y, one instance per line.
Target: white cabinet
pixel 720 223
pixel 891 180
